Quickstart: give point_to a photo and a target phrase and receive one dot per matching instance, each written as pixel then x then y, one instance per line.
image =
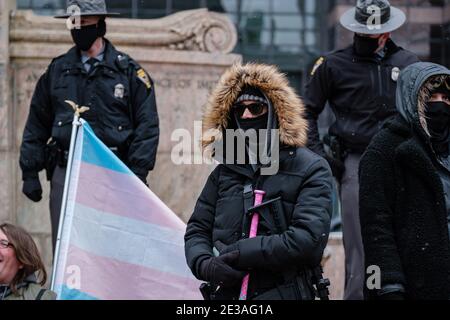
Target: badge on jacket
pixel 119 91
pixel 142 75
pixel 317 65
pixel 395 73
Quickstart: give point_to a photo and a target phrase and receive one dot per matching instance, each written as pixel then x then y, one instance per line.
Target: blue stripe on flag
pixel 74 294
pixel 96 153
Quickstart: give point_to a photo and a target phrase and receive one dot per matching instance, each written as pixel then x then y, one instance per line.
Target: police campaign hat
pixel 86 8
pixel 373 17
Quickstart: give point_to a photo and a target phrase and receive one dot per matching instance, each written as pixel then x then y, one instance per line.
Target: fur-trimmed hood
pixel 414 90
pixel 288 106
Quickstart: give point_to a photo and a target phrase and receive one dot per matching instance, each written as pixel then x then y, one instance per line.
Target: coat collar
pixel 72 59
pixel 5 290
pixel 390 49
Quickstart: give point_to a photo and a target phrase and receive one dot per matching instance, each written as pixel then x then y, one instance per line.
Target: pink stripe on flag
pixel 124 195
pixel 111 279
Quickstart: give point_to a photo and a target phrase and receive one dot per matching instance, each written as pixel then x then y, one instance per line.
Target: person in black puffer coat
pixel 405 191
pixel 295 217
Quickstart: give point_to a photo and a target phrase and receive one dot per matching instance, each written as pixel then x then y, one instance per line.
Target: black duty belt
pixel 63 156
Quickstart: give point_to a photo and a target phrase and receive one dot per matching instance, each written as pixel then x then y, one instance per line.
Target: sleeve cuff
pixel 30 175
pixel 390 288
pixel 250 253
pixel 197 264
pixel 141 173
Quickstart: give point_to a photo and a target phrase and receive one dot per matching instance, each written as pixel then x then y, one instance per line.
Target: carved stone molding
pixel 209 32
pixel 192 30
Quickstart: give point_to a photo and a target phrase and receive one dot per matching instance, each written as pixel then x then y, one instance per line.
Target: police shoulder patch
pixel 317 65
pixel 142 75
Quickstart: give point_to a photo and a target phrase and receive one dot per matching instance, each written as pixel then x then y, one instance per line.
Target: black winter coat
pixel 402 203
pixel 303 182
pixel 125 122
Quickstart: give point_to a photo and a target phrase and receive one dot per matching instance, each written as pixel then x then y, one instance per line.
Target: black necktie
pixel 93 63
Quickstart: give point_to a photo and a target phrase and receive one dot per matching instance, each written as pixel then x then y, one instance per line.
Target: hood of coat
pixel 287 105
pixel 414 91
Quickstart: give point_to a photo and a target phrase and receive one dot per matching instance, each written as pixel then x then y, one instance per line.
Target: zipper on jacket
pixel 3 295
pixel 380 82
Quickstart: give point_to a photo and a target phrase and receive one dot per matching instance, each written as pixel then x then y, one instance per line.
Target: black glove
pixel 396 295
pixel 143 179
pixel 218 270
pixel 32 189
pixel 142 176
pixel 337 167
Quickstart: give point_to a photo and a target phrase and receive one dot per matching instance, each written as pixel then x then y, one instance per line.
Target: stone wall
pixel 7 165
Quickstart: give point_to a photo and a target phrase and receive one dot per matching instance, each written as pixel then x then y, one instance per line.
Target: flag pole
pixel 76 124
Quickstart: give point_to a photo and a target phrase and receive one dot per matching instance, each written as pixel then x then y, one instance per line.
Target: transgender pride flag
pixel 118 240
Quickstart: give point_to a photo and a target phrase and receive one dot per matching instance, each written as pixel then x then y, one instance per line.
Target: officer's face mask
pixel 365 46
pixel 85 37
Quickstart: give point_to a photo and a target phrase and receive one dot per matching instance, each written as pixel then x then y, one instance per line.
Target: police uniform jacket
pixel 122 110
pixel 359 90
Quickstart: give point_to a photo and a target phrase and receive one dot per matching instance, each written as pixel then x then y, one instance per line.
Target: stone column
pixel 7 166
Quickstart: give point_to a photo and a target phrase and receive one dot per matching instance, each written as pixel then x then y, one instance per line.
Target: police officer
pixel 121 100
pixel 359 84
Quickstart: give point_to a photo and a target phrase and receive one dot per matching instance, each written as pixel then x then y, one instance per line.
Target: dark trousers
pixel 351 228
pixel 56 194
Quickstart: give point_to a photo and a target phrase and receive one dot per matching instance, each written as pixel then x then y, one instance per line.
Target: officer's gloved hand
pixel 32 189
pixel 396 295
pixel 144 180
pixel 219 270
pixel 142 177
pixel 337 167
pixel 141 174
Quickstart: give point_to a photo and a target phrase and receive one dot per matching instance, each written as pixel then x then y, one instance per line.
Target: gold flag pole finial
pixel 76 108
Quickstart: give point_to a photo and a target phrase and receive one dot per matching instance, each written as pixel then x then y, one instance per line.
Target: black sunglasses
pixel 255 108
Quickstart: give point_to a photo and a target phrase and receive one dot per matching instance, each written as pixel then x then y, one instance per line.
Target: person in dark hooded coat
pixel 405 191
pixel 295 217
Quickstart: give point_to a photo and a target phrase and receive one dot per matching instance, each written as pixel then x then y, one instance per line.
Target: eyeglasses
pixel 5 244
pixel 255 109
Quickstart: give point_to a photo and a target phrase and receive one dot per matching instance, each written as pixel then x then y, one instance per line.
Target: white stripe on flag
pixel 129 240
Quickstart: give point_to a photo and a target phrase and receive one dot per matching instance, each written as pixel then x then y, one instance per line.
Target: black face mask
pixel 254 123
pixel 365 46
pixel 438 122
pixel 257 124
pixel 85 37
